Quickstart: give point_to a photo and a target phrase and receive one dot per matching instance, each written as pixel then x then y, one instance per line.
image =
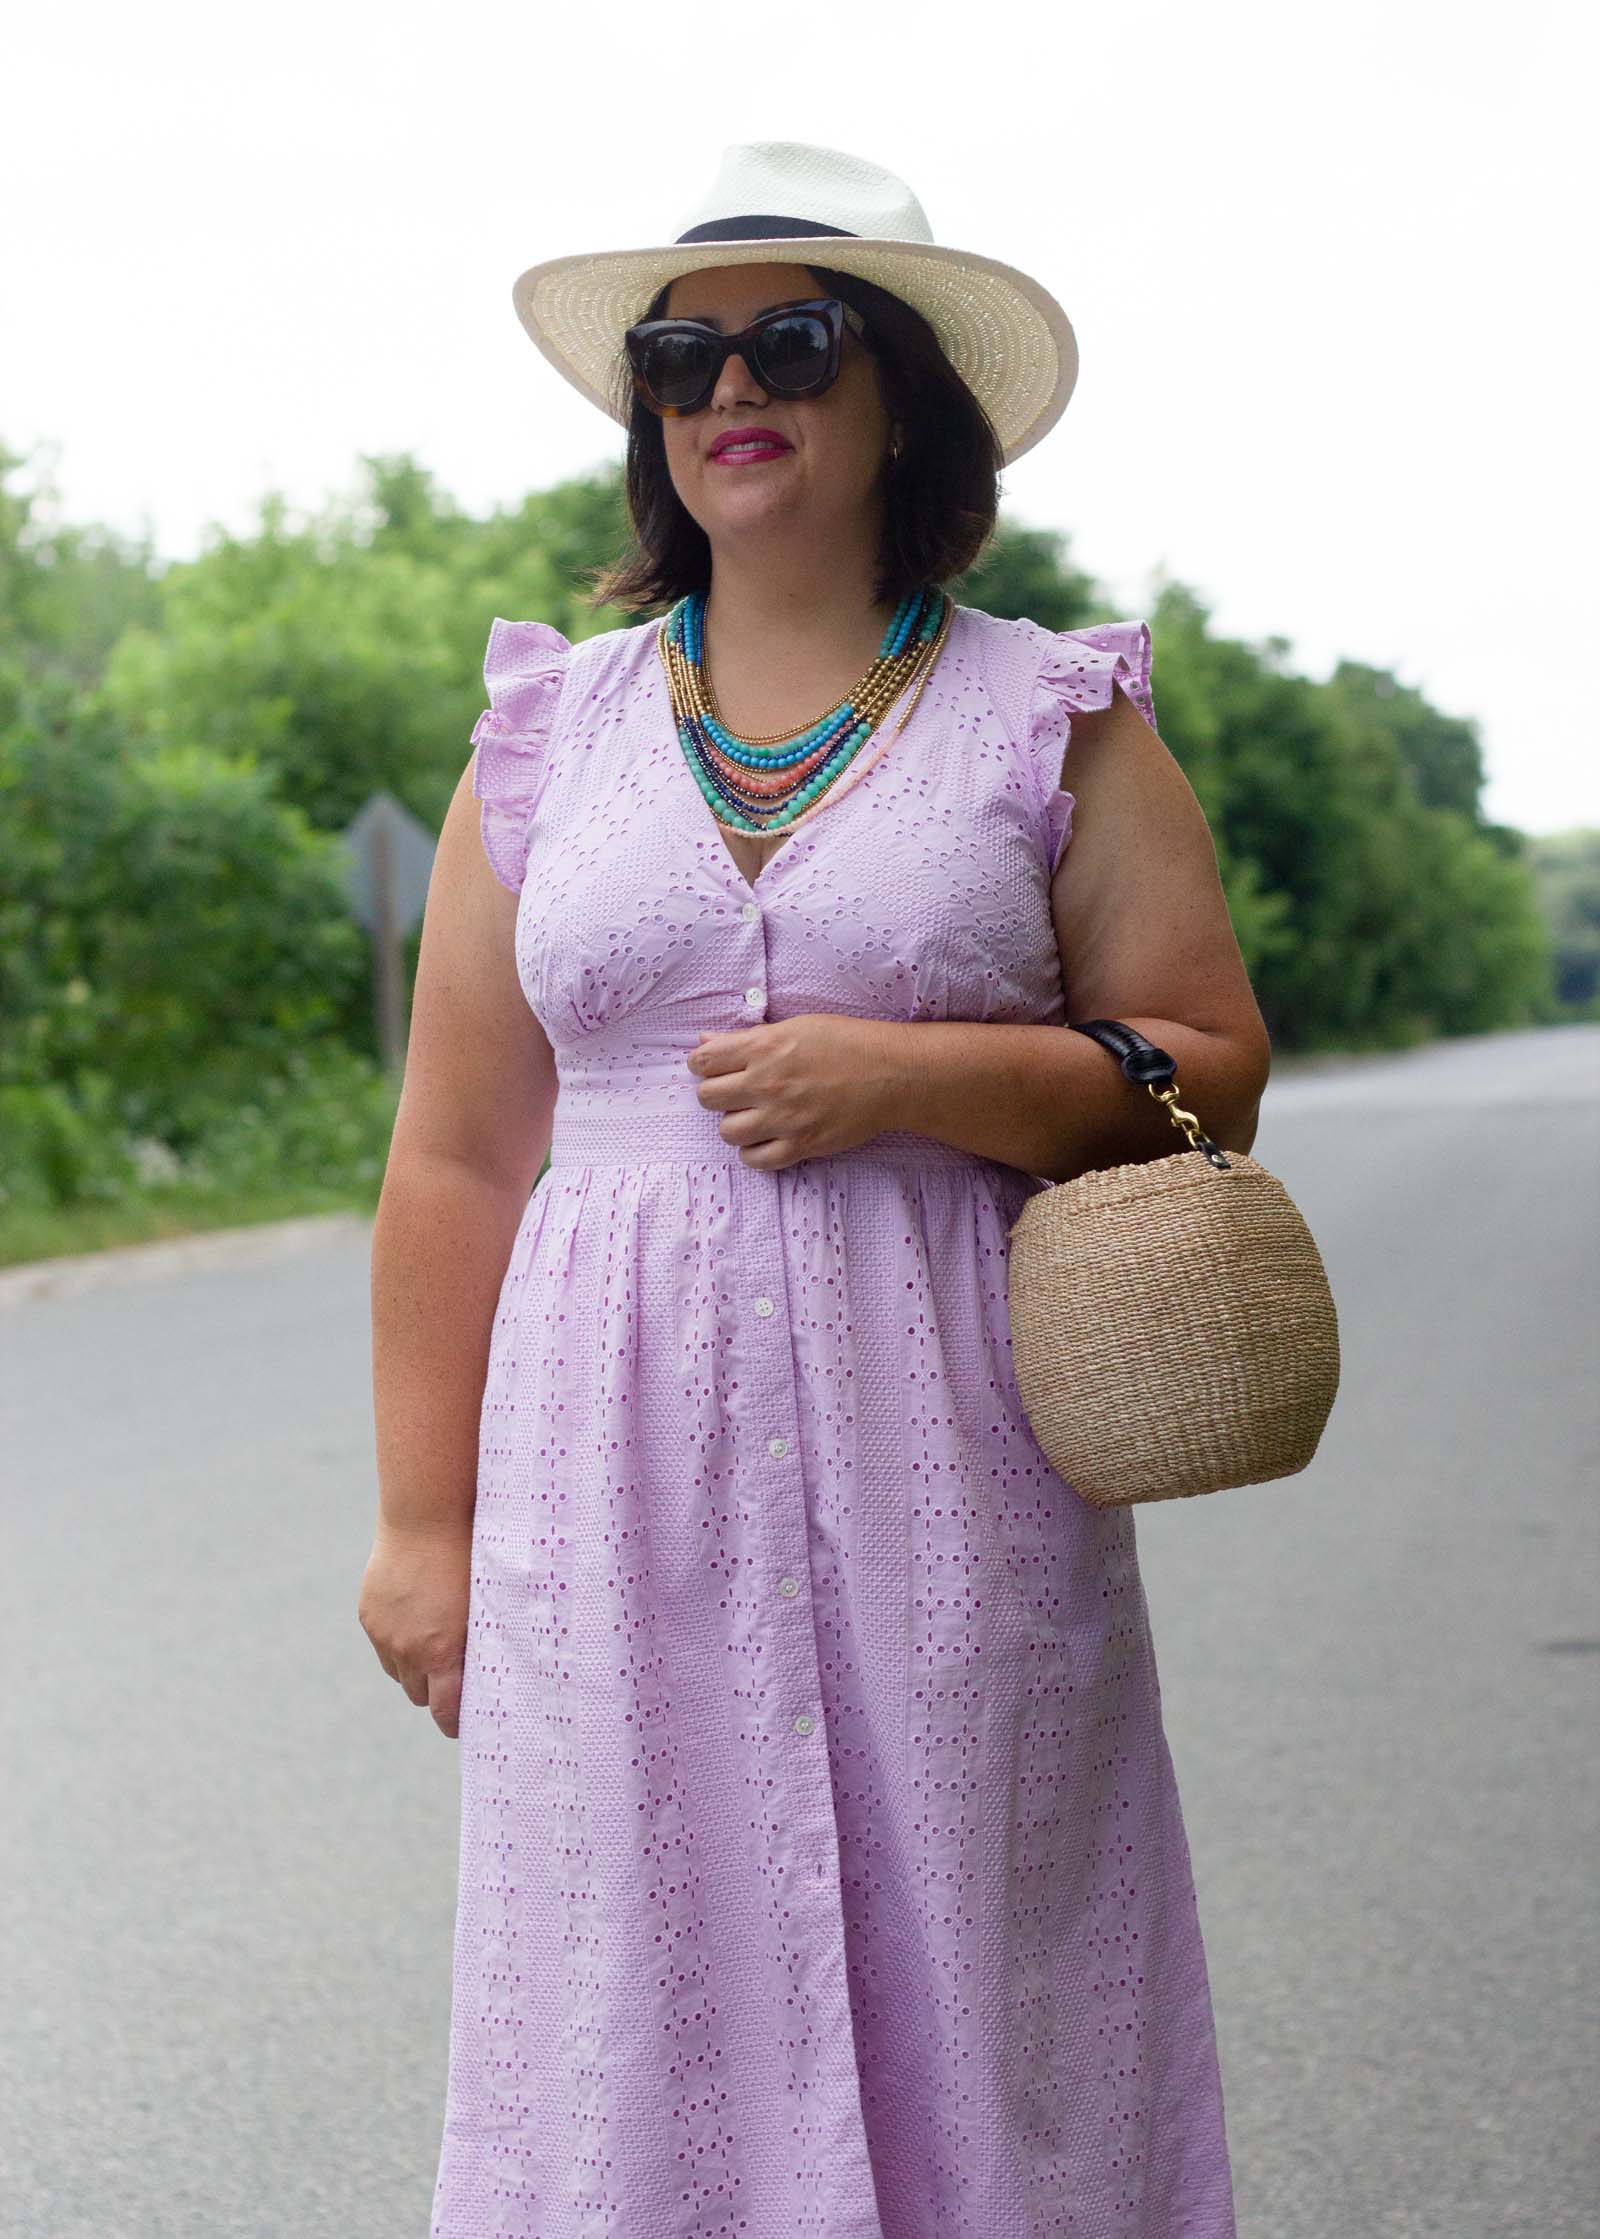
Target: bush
pixel 172 925
pixel 323 1121
pixel 319 1124
pixel 62 1149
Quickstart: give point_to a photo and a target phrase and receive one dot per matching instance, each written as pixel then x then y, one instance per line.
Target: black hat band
pixel 760 229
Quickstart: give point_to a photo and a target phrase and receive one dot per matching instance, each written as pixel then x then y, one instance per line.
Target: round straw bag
pixel 1172 1328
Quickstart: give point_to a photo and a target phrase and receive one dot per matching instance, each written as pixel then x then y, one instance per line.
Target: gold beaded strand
pixel 693 701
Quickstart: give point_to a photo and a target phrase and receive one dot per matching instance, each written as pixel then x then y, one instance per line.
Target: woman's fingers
pixel 445 1701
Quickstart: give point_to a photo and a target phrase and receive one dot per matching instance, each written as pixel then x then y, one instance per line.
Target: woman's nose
pixel 736 384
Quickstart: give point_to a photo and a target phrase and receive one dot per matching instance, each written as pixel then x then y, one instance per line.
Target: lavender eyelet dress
pixel 822 1868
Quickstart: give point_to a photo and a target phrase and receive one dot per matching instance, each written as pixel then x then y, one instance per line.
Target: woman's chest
pixel 751 855
pixel 918 890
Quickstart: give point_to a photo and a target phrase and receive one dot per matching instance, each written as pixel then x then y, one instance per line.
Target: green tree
pixel 167 921
pixel 1025 574
pixel 66 594
pixel 1566 870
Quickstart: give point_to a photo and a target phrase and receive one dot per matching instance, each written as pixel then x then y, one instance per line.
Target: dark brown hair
pixel 943 490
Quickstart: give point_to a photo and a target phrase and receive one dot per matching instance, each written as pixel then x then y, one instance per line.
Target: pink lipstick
pixel 748 446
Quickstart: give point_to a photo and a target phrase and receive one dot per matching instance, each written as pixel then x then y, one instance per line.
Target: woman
pixel 822 1869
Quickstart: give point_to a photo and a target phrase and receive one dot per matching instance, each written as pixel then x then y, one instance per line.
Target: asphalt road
pixel 230 1842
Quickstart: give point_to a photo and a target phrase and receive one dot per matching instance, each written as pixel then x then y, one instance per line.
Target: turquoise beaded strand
pixel 716 755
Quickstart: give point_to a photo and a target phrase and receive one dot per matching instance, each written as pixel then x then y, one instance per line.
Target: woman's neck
pixel 817 607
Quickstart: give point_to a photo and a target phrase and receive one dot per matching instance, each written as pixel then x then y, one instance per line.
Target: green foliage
pixel 346 651
pixel 1372 908
pixel 61 1146
pixel 66 594
pixel 1439 753
pixel 165 920
pixel 1566 870
pixel 1026 574
pixel 312 1131
pixel 323 1117
pixel 186 1004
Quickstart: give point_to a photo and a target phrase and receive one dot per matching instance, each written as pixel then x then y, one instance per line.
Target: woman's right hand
pixel 413 1608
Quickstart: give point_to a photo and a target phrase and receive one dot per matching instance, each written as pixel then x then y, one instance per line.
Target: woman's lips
pixel 750 450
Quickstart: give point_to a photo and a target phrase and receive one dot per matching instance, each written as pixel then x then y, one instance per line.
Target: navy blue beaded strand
pixel 836 737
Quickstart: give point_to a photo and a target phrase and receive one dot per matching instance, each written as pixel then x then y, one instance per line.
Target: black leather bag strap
pixel 1140 1060
pixel 1143 1063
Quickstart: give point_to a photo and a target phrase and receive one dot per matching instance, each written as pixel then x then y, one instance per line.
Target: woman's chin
pixel 750 510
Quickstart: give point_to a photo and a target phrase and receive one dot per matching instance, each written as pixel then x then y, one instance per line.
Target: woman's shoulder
pixel 536 676
pixel 527 647
pixel 531 672
pixel 1019 638
pixel 1030 668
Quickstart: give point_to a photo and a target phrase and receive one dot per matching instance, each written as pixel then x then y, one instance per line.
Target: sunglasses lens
pixel 677 368
pixel 793 353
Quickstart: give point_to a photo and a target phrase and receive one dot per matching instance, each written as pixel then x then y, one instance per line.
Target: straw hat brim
pixel 1007 337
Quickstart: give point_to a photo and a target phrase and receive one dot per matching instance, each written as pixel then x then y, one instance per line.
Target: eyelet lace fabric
pixel 1079 671
pixel 523 671
pixel 822 1868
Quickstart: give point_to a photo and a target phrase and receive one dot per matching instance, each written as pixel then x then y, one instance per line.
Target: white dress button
pixel 804 1723
pixel 755 997
pixel 764 1307
pixel 788 1586
pixel 750 910
pixel 777 1446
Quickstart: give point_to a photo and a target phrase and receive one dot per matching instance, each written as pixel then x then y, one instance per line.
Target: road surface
pixel 230 1840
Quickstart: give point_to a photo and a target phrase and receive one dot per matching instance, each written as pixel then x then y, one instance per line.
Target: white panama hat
pixel 781 201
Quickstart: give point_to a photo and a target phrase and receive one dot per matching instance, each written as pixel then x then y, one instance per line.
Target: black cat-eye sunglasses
pixel 792 350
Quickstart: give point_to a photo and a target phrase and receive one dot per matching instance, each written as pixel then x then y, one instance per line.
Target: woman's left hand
pixel 796 1088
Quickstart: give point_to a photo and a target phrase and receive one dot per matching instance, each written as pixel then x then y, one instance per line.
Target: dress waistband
pixel 591 1131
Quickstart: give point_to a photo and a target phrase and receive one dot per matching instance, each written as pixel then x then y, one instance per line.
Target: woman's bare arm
pixel 470 1137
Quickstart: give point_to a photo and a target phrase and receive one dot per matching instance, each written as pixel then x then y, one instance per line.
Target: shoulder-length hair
pixel 943 491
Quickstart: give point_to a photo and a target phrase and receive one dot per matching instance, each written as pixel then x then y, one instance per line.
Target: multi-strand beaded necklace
pixel 760 785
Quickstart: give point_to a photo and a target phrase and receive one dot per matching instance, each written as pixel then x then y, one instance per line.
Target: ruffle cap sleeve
pixel 1080 670
pixel 523 670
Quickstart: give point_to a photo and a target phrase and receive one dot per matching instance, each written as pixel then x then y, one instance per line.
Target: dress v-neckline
pixel 859 771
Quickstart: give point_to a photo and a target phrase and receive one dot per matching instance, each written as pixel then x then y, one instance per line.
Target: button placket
pixel 779 1449
pixel 803 1820
pixel 778 1446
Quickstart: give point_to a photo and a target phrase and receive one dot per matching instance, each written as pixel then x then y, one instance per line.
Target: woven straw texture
pixel 1005 335
pixel 1172 1328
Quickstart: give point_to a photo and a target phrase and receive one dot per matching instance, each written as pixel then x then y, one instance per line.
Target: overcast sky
pixel 1331 272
